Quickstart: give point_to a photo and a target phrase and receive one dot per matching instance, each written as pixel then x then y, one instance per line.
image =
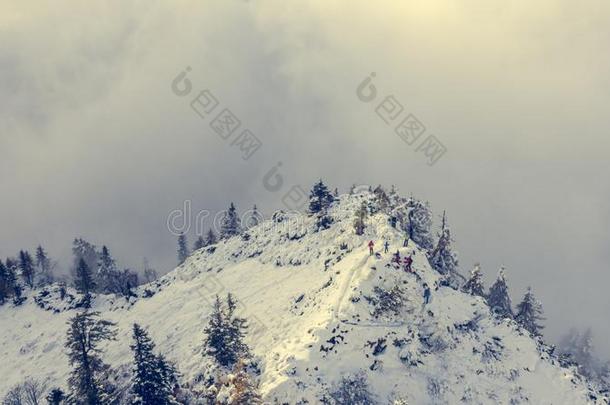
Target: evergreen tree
pixel 393 196
pixel 153 378
pixel 81 249
pixel 42 260
pixel 12 265
pixel 418 223
pixel 215 334
pixel 319 198
pixel 236 330
pixel 243 390
pixel 169 375
pixel 199 243
pixel 569 342
pixel 474 285
pixel 254 218
pixel 87 379
pixel 359 222
pixel 498 297
pixel 210 238
pixel 230 223
pixel 382 200
pixel 43 264
pixel 183 250
pixel 224 334
pixel 17 298
pixel 586 351
pixel 126 280
pixel 26 264
pixel 106 276
pixel 6 287
pixel 56 396
pixel 150 274
pixel 13 289
pixel 529 313
pixel 443 259
pixel 579 347
pixel 83 281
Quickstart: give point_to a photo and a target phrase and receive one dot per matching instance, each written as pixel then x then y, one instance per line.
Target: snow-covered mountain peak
pixel 320 308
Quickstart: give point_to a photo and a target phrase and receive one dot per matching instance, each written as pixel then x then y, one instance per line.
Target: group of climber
pixel 406 262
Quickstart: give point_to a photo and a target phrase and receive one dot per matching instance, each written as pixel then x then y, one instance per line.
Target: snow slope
pixel 310 299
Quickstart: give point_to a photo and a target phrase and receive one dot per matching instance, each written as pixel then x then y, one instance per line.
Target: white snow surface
pixel 306 296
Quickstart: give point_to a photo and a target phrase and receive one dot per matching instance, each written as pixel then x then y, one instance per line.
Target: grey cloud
pixel 96 145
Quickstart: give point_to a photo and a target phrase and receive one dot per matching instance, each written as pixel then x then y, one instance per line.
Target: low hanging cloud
pixel 96 144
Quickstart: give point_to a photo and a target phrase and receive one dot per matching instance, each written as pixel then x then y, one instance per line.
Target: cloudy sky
pixel 95 143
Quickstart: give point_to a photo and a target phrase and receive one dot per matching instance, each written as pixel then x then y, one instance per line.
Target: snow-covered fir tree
pixel 416 219
pixel 237 330
pixel 243 390
pixel 224 333
pixel 382 201
pixel 150 274
pixel 9 285
pixel 183 250
pixel 394 197
pixel 12 269
pixel 586 346
pixel 319 198
pixel 499 298
pixel 254 218
pixel 474 284
pixel 44 275
pixel 359 222
pixel 26 265
pixel 215 340
pixel 12 264
pixel 570 342
pixel 87 382
pixel 579 348
pixel 199 243
pixel 81 249
pixel 443 259
pixel 84 281
pixel 230 224
pixel 153 378
pixel 106 276
pixel 126 280
pixel 529 313
pixel 210 238
pixel 6 287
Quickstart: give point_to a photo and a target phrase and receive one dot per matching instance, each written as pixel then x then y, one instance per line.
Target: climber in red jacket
pixel 371 244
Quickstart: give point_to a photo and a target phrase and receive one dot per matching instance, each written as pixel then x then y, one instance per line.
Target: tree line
pixel 93 270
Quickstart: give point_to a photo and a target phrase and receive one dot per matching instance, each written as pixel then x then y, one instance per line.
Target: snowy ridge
pixel 312 301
